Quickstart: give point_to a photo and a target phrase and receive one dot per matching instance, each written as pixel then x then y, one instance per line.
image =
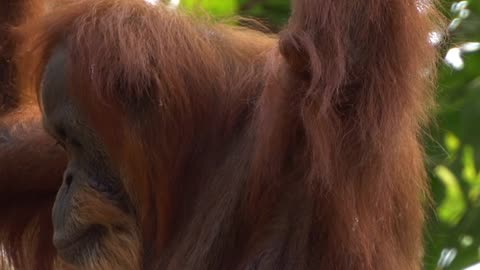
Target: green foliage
pixel 453 230
pixel 454 225
pixel 453 206
pixel 218 8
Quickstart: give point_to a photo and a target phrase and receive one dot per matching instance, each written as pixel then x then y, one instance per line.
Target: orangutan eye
pixel 73 142
pixel 61 133
pixel 66 140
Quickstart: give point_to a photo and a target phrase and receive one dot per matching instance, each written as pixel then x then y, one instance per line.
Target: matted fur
pixel 243 151
pixel 12 13
pixel 31 166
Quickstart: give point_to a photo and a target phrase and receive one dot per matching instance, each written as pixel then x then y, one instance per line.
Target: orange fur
pixel 246 151
pixel 30 164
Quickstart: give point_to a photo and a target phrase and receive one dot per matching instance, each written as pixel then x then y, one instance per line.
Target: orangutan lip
pixel 91 232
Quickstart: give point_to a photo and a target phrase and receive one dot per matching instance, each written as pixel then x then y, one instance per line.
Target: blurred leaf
pixel 466 240
pixel 453 206
pixel 452 143
pixel 469 172
pixel 446 257
pixel 218 8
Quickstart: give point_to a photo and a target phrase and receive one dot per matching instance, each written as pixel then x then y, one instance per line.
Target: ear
pixel 299 41
pixel 293 47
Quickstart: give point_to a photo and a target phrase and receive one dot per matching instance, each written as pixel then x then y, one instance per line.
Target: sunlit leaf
pixel 452 143
pixel 466 240
pixel 453 207
pixel 217 8
pixel 474 195
pixel 469 173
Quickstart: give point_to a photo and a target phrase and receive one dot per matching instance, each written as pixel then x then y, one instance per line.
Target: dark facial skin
pixel 88 167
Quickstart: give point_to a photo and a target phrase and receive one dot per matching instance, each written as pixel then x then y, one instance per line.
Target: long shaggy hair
pixel 246 151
